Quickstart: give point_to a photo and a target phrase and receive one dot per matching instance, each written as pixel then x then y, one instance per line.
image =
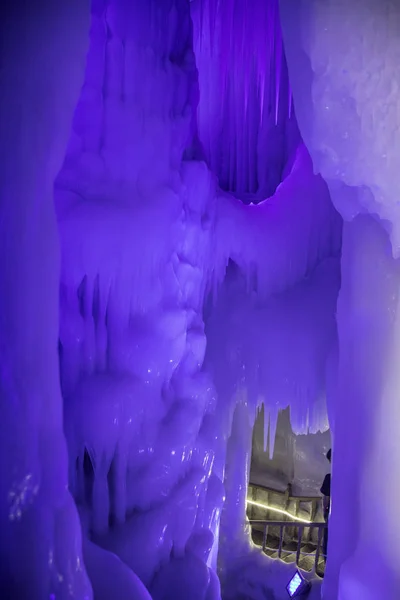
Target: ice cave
pixel 199 297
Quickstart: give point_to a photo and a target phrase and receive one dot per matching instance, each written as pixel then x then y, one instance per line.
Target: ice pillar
pixel 364 527
pixel 233 518
pixel 43 50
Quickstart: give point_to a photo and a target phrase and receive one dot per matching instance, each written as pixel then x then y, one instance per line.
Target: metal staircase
pixel 287 527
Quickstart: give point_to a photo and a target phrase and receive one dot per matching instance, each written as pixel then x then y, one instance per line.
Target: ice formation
pixel 193 281
pixel 245 106
pixel 346 103
pixel 346 98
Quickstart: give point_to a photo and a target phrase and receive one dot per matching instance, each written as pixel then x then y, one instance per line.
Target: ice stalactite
pixel 289 337
pixel 245 94
pixel 267 435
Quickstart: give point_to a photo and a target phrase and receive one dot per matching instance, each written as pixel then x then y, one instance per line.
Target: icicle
pixel 240 126
pixel 201 24
pixel 80 482
pixel 246 95
pixel 278 75
pixel 273 422
pixel 226 43
pixel 119 471
pixel 212 18
pixel 232 148
pixel 100 500
pixel 262 94
pixel 266 427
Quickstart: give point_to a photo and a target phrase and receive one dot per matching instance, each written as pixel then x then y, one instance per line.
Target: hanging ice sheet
pixel 244 88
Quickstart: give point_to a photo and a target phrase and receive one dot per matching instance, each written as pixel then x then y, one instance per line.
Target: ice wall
pixel 246 124
pixel 136 226
pixel 345 96
pixel 365 456
pixel 41 73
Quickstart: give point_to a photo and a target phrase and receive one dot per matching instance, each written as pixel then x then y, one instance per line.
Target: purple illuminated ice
pixel 194 279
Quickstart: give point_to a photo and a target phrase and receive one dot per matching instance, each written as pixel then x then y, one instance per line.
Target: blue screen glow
pixel 294 584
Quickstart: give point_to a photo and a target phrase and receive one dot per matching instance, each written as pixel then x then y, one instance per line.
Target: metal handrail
pixel 287 523
pixel 290 496
pixel 315 501
pixel 301 526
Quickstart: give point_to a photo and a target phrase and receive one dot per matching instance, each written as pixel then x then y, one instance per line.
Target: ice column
pixel 42 65
pixel 364 528
pixel 233 520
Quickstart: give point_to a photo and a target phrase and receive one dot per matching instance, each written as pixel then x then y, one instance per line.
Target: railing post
pixel 301 527
pixel 300 537
pixel 321 531
pixel 281 528
pixel 265 536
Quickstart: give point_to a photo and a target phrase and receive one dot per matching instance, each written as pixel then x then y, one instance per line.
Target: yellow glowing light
pixel 278 510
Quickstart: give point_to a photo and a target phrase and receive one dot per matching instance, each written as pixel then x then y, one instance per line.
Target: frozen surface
pixel 110 577
pixel 40 547
pixel 346 102
pixel 149 438
pixel 256 577
pixel 366 392
pixel 346 98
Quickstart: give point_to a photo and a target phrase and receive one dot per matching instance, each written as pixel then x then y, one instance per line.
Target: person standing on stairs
pixel 326 492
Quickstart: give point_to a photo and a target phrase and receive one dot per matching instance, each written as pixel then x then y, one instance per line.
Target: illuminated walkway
pixel 289 528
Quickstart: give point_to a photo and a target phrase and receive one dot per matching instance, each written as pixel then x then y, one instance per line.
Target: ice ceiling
pixel 191 275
